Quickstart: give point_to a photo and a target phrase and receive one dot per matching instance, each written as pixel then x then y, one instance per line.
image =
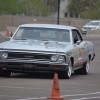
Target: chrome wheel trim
pixel 87 66
pixel 69 69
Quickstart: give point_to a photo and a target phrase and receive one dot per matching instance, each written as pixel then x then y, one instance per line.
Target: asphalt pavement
pixel 38 86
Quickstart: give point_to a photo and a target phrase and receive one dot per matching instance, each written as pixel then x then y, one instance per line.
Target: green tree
pixel 34 7
pixel 52 5
pixel 86 8
pixel 1 6
pixel 9 7
pixel 28 7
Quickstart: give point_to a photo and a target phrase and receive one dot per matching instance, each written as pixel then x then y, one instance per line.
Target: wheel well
pixel 72 60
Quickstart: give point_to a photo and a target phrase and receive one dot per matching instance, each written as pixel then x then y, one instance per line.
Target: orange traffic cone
pixel 7 32
pixel 55 93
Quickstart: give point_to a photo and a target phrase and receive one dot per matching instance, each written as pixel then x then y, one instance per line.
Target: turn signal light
pixel 1 64
pixel 58 67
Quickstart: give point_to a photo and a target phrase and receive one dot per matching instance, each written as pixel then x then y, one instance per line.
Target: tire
pixel 4 73
pixel 68 71
pixel 85 69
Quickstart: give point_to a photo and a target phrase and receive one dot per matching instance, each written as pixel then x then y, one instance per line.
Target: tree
pixel 34 7
pixel 86 8
pixel 28 7
pixel 1 7
pixel 9 7
pixel 52 5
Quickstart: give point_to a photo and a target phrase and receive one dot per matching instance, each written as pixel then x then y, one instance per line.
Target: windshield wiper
pixel 20 38
pixel 46 40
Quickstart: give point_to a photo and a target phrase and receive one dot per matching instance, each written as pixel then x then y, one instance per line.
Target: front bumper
pixel 26 66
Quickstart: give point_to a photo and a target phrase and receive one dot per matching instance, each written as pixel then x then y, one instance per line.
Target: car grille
pixel 28 56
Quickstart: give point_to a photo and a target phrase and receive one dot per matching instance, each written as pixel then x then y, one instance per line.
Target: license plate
pixel 28 65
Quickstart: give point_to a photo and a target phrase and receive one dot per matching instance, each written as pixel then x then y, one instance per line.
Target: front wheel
pixel 68 71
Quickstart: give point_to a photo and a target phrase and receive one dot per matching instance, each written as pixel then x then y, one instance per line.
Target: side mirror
pixel 78 42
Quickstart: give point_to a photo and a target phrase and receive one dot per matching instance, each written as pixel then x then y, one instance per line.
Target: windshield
pixel 93 23
pixel 43 34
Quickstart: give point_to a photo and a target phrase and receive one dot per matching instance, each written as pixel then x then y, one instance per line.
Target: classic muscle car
pixel 46 47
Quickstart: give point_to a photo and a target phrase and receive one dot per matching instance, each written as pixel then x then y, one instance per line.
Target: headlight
pixel 4 55
pixel 54 58
pixel 61 58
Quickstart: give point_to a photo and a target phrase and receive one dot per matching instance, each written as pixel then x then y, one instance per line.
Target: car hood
pixel 91 26
pixel 34 45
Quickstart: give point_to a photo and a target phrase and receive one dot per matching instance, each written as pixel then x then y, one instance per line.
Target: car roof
pixel 48 26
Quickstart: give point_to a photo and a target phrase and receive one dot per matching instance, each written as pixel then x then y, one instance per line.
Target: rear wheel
pixel 4 73
pixel 85 69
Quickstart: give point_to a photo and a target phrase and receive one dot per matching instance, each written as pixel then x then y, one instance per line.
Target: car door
pixel 79 46
pixel 83 51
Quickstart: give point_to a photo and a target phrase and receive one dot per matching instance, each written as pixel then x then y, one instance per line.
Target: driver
pixel 59 36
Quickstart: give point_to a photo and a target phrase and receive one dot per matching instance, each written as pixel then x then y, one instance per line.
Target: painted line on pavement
pixel 33 98
pixel 86 98
pixel 81 94
pixel 4 36
pixel 23 88
pixel 28 88
pixel 67 96
pixel 10 96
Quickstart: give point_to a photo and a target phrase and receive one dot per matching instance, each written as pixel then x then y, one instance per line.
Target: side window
pixel 79 35
pixel 76 36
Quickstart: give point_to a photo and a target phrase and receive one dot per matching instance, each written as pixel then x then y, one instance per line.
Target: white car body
pixel 92 25
pixel 45 53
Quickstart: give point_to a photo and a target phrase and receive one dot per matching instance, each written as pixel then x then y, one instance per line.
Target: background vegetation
pixel 28 7
pixel 85 8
